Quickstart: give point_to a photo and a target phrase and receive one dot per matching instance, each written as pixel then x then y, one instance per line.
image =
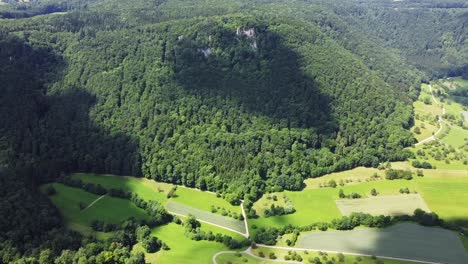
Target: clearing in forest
pixel 148 189
pixel 71 203
pixel 403 204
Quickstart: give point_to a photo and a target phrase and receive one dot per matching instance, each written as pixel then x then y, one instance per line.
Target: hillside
pixel 239 98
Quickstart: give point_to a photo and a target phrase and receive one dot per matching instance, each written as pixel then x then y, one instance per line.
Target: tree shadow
pixel 404 240
pixel 254 68
pixel 46 134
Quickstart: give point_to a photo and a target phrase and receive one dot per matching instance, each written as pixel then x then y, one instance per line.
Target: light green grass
pixel 183 249
pixel 456 136
pixel 151 190
pixel 448 198
pixel 355 176
pixel 428 130
pixel 146 189
pixel 441 164
pixel 224 221
pixel 203 200
pixel 406 240
pixel 311 206
pixel 214 229
pixel 108 209
pixel 383 205
pixel 444 192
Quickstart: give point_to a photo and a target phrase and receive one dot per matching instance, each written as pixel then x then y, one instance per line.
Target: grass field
pixel 354 176
pixel 182 249
pixel 224 221
pixel 403 240
pixel 152 190
pixel 383 205
pixel 464 240
pixel 444 192
pixel 107 209
pixel 456 136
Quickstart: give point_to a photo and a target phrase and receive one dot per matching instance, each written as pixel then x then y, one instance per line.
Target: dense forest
pixel 236 97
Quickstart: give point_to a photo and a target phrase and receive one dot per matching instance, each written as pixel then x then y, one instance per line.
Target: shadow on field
pixel 47 134
pixel 405 240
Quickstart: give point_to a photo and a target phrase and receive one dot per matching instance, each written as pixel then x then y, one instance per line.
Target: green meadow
pixel 108 209
pixel 182 248
pixel 151 190
pixel 444 192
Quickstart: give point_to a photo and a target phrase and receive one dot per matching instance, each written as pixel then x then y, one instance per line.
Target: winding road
pixel 433 137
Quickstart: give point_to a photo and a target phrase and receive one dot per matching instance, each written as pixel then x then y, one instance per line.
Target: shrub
pixel 50 190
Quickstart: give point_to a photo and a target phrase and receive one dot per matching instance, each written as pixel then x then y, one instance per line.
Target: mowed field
pixel 383 205
pixel 406 240
pixel 107 209
pixel 229 222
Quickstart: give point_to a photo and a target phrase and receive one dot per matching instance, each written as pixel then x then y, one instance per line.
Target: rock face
pixel 249 32
pixel 206 52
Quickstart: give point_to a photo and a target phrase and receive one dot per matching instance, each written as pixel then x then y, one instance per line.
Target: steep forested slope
pixel 237 97
pixel 188 101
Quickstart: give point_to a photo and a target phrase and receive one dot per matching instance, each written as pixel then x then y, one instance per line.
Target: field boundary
pixel 207 221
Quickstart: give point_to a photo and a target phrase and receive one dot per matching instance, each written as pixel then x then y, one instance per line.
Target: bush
pixel 272 255
pixel 393 174
pixel 421 165
pixel 50 190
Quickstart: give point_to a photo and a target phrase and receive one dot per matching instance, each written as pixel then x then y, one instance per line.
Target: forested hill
pixel 208 103
pixel 236 97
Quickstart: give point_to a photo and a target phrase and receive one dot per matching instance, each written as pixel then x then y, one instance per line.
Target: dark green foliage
pixel 393 174
pixel 427 219
pixel 101 226
pixel 405 190
pixel 421 165
pixel 106 88
pixel 192 230
pixel 352 195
